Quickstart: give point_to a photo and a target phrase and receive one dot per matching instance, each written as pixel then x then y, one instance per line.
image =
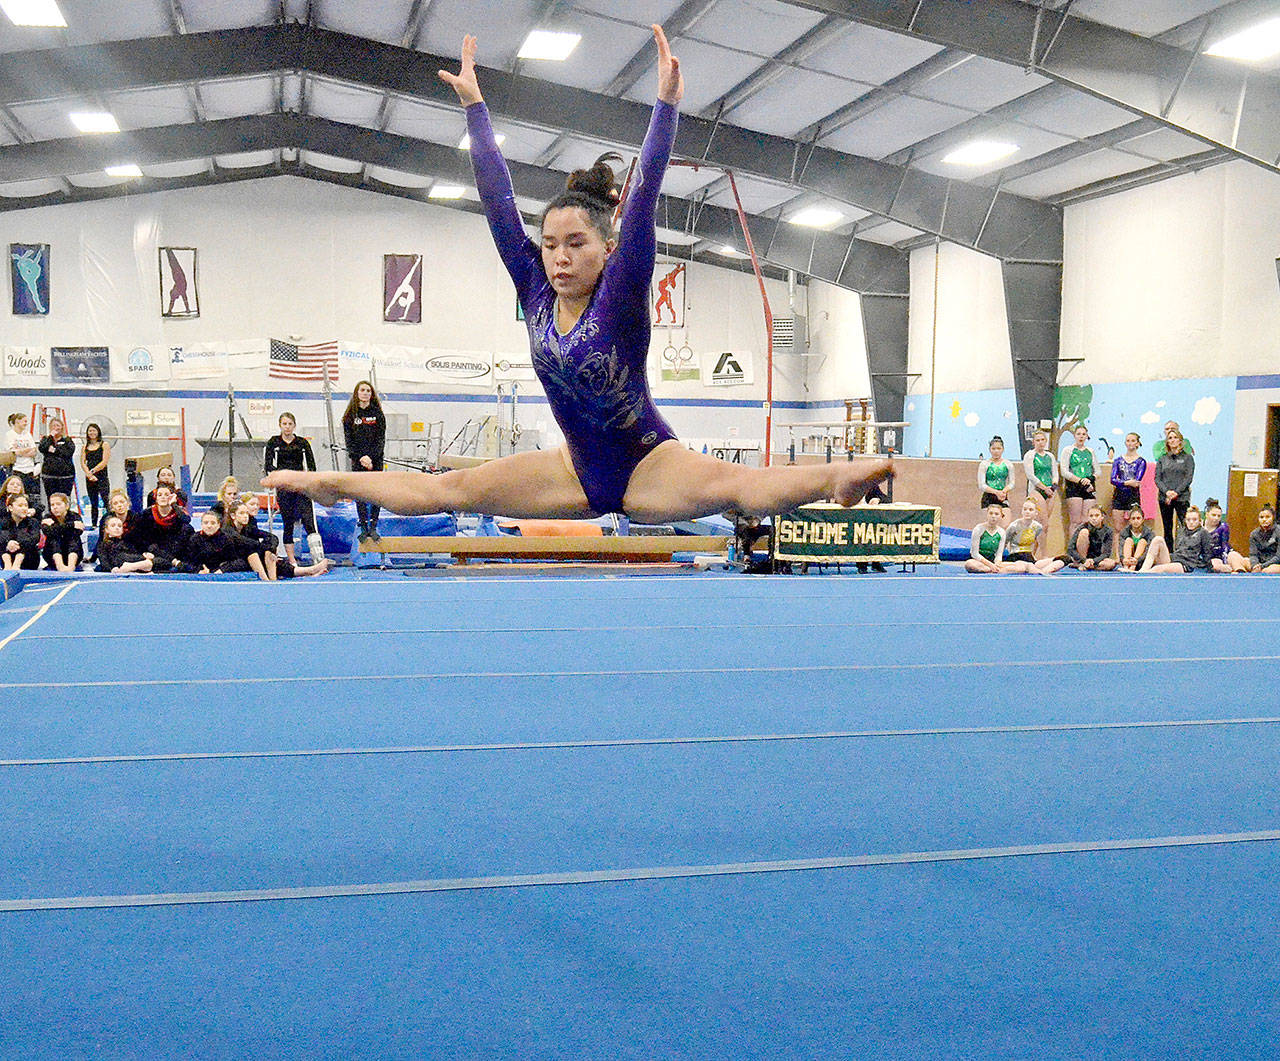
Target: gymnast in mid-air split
pixel 585 295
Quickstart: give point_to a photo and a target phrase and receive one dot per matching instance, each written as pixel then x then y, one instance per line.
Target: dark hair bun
pixel 598 181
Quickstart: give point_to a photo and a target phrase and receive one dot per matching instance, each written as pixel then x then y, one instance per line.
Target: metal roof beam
pixel 995 222
pixel 1226 104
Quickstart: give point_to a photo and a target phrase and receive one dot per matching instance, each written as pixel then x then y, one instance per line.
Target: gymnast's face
pixel 210 524
pixel 573 252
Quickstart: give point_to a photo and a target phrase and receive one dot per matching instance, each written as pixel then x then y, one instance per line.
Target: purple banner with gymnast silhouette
pixel 29 279
pixel 402 288
pixel 178 295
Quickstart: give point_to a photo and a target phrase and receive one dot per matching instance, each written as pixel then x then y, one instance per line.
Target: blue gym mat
pixel 639 817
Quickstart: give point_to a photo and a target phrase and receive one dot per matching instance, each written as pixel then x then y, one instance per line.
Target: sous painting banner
pixel 178 295
pixel 402 288
pixel 80 364
pixel 29 279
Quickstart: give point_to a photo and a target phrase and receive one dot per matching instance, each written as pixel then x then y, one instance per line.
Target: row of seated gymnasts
pixel 1202 544
pixel 160 538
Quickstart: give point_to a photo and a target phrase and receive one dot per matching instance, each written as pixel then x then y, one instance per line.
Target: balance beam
pixel 633 548
pixel 148 462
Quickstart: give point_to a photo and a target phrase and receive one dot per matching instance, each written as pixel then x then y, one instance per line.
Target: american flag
pixel 303 362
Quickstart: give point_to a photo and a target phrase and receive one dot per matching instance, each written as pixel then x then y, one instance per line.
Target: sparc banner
pixel 827 533
pixel 139 364
pixel 26 363
pixel 81 364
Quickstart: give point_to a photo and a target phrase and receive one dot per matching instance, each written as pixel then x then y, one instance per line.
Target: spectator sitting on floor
pixel 63 535
pixel 162 530
pixel 228 498
pixel 1135 541
pixel 21 543
pixel 986 546
pixel 1264 547
pixel 1192 550
pixel 1089 548
pixel 166 476
pixel 212 550
pixel 14 485
pixel 246 526
pixel 115 554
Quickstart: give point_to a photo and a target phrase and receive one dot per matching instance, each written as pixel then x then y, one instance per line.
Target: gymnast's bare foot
pixel 854 479
pixel 315 485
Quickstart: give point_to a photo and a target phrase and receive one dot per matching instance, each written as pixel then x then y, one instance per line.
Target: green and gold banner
pixel 827 533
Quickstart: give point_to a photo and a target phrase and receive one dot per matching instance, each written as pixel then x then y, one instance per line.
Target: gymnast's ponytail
pixel 594 191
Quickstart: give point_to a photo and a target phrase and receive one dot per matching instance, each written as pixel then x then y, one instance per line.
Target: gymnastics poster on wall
pixel 29 279
pixel 81 364
pixel 178 295
pixel 667 297
pixel 402 288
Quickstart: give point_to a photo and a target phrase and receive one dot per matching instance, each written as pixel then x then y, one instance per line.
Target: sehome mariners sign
pixel 827 533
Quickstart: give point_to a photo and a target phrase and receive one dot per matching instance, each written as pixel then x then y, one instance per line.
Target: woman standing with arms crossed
pixel 94 455
pixel 364 426
pixel 585 294
pixel 1174 471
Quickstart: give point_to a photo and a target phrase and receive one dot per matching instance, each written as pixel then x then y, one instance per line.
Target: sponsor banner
pixel 167 419
pixel 402 288
pixel 139 364
pixel 137 418
pixel 81 364
pixel 513 368
pixel 26 363
pixel 29 279
pixel 247 354
pixel 728 368
pixel 178 295
pixel 197 362
pixel 354 364
pixel 667 295
pixel 827 533
pixel 260 407
pixel 460 368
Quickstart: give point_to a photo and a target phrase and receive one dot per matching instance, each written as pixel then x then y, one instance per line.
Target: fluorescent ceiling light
pixel 128 169
pixel 979 153
pixel 817 217
pixel 465 142
pixel 446 191
pixel 1257 42
pixel 94 122
pixel 544 44
pixel 33 12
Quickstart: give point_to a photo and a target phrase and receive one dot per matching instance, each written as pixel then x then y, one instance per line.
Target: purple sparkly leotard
pixel 594 376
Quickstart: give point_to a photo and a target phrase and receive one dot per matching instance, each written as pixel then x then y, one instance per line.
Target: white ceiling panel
pixel 500 29
pixel 379 20
pixel 98 179
pixel 1163 144
pixel 642 12
pixel 1031 142
pixel 979 84
pixel 580 154
pixel 758 197
pixel 246 159
pixel 709 73
pixel 1075 174
pixel 91 21
pixel 790 103
pixel 684 182
pixel 49 121
pixel 1144 17
pixel 764 27
pixel 675 237
pixel 26 189
pixel 606 47
pixel 443 125
pixel 523 144
pixel 1076 114
pixel 399 178
pixel 342 103
pixel 234 98
pixel 897 124
pixel 150 107
pixel 865 53
pixel 329 162
pixel 169 170
pixel 205 15
pixel 889 232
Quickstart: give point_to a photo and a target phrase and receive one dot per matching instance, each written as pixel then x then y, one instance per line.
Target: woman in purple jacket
pixel 585 295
